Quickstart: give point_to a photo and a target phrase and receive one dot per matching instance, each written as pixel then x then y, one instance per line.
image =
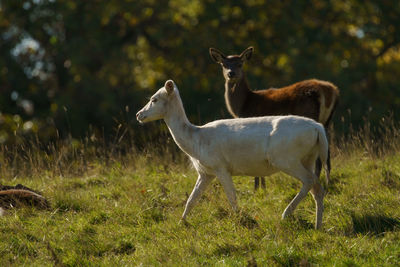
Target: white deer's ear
pixel 246 54
pixel 169 86
pixel 217 55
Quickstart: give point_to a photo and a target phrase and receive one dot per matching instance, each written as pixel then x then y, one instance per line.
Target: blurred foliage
pixel 84 68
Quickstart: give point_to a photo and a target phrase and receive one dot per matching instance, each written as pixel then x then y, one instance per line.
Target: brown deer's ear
pixel 169 86
pixel 217 55
pixel 246 54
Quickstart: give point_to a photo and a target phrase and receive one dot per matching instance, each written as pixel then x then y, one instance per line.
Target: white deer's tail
pixel 323 147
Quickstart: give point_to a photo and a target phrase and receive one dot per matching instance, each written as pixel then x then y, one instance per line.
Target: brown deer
pixel 314 99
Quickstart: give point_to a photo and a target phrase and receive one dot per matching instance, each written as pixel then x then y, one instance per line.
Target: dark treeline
pixel 84 68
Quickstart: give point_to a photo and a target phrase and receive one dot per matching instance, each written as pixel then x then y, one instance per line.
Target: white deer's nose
pixel 139 116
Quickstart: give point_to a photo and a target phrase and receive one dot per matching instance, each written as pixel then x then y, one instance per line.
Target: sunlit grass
pixel 124 209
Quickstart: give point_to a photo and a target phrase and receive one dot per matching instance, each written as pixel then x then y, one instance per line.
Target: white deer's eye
pixel 154 100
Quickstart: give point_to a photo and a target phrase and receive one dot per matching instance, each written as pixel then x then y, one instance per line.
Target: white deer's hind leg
pixel 307 178
pixel 226 180
pixel 296 200
pixel 202 182
pixel 318 193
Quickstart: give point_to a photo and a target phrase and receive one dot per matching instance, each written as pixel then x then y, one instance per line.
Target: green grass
pixel 125 212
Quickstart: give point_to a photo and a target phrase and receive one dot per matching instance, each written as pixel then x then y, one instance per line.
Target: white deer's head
pixel 158 106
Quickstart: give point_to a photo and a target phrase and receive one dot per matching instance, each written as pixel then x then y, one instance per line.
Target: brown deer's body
pixel 313 98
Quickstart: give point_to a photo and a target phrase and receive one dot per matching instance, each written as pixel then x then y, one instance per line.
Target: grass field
pixel 124 210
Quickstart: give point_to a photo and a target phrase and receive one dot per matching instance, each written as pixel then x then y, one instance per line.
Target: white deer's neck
pixel 183 132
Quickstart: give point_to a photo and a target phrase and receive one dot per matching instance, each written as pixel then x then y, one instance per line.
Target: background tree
pixel 82 68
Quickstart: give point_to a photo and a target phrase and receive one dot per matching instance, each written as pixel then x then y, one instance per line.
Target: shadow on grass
pixel 221 213
pixel 390 179
pixel 65 204
pixel 335 182
pixel 124 247
pixel 243 218
pixel 296 223
pixel 304 224
pixel 374 224
pixel 247 221
pixel 226 250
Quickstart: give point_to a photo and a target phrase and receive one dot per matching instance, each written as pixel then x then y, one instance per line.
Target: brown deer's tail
pixel 329 95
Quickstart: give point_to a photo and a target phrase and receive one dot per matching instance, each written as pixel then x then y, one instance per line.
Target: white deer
pixel 247 146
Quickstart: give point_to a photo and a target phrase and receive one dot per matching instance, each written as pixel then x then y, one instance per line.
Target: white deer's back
pixel 253 146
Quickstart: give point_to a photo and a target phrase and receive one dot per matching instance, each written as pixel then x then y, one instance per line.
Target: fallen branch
pixel 17 196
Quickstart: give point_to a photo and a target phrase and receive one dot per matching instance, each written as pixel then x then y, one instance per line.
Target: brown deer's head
pixel 231 65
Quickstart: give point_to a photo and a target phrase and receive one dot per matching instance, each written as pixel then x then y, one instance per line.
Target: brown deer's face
pixel 231 65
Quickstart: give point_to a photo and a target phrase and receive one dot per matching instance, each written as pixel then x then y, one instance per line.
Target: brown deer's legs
pixel 318 167
pixel 318 164
pixel 262 182
pixel 257 182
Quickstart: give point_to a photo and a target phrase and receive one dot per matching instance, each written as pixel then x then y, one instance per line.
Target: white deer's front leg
pixel 226 180
pixel 202 182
